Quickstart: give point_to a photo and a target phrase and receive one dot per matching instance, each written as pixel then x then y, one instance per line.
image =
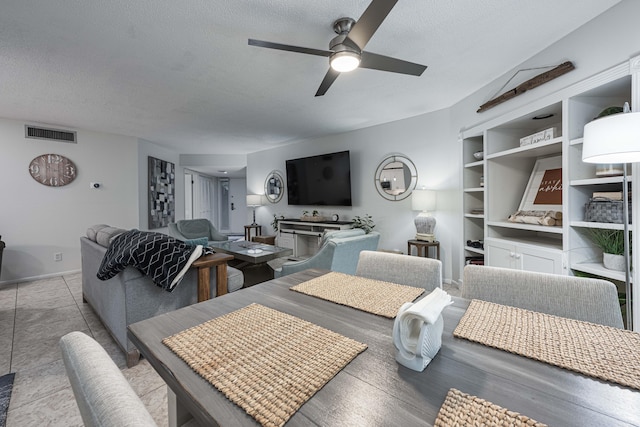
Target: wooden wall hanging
pixel 529 84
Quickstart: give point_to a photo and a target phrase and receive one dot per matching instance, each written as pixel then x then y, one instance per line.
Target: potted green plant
pixel 274 223
pixel 611 242
pixel 365 222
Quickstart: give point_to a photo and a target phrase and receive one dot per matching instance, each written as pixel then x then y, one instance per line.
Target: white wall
pixel 431 140
pixel 424 139
pixel 36 221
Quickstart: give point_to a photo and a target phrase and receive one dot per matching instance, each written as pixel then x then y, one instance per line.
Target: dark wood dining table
pixel 374 390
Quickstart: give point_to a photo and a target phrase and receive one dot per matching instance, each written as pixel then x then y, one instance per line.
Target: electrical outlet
pixel 57 256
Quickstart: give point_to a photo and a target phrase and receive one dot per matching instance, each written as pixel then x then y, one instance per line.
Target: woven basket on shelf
pixel 602 209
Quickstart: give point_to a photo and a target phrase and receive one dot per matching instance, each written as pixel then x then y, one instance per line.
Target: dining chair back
pixel 104 396
pixel 581 298
pixel 401 269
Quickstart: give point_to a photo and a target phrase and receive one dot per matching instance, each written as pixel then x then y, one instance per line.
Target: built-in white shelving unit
pixel 506 169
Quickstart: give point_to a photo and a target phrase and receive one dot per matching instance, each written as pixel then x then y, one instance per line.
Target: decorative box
pixel 543 135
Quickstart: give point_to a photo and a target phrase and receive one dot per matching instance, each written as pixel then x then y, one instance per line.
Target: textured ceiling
pixel 180 73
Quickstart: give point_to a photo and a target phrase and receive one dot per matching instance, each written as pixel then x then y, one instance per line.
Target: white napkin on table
pixel 417 330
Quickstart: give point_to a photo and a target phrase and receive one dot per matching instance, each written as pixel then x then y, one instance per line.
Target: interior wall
pixel 431 140
pixel 424 139
pixel 37 221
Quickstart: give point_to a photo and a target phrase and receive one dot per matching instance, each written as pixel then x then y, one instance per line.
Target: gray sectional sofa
pixel 131 296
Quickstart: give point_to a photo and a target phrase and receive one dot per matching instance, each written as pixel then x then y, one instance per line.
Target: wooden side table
pixel 247 231
pixel 422 247
pixel 204 265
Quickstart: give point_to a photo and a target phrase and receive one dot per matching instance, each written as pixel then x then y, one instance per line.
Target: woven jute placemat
pixel 267 362
pixel 461 409
pixel 599 351
pixel 372 296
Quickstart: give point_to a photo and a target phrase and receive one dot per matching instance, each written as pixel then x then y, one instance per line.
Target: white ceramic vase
pixel 613 262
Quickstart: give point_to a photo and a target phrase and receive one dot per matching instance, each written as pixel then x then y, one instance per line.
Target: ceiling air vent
pixel 49 134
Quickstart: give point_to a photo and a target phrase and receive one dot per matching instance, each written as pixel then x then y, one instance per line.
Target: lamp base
pixel 425 237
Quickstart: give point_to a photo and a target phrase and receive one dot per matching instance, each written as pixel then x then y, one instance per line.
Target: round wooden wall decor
pixel 52 170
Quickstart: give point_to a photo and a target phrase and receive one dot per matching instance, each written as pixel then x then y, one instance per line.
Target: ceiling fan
pixel 347 48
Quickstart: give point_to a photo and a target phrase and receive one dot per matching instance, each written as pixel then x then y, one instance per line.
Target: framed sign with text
pixel 544 190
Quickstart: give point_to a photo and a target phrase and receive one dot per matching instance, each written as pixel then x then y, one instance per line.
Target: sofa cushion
pixel 202 241
pixel 105 235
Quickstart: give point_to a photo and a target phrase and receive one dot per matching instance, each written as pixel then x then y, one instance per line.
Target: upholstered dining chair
pixel 104 396
pixel 401 269
pixel 580 298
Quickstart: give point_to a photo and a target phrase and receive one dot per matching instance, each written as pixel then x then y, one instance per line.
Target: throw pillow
pixel 92 231
pixel 203 241
pixel 105 235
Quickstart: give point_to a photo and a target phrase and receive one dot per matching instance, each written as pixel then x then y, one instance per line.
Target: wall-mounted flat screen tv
pixel 320 180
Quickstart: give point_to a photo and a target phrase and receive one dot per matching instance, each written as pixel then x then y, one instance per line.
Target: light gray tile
pixel 143 378
pixel 30 353
pixel 157 404
pixel 52 299
pixel 37 322
pixel 58 409
pixel 8 295
pixel 38 382
pixel 40 286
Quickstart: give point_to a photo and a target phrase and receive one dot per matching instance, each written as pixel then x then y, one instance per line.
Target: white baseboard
pixel 44 276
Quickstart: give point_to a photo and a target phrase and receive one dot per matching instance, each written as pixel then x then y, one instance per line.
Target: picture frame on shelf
pixel 544 189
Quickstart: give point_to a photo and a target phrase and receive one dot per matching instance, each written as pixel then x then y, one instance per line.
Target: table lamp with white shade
pixel 425 201
pixel 254 201
pixel 616 139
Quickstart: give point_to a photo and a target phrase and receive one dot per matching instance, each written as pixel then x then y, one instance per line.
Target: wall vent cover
pixel 50 134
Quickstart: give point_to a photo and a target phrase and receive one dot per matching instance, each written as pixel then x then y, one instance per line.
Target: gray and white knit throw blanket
pixel 164 259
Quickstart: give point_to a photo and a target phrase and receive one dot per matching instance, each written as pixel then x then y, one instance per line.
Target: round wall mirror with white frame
pixel 396 177
pixel 274 187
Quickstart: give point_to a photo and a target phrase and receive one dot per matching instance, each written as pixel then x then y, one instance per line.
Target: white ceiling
pixel 181 74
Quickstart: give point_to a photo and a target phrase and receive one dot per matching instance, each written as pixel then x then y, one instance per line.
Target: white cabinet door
pixel 540 260
pixel 507 254
pixel 500 253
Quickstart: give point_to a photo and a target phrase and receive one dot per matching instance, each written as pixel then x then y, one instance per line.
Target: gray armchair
pixel 581 298
pixel 339 252
pixel 401 269
pixel 186 229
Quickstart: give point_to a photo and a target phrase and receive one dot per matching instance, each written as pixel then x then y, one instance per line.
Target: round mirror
pixel 396 177
pixel 274 187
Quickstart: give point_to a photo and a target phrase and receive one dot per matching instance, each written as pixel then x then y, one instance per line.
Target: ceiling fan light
pixel 344 62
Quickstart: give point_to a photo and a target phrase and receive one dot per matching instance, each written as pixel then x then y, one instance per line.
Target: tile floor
pixel 33 317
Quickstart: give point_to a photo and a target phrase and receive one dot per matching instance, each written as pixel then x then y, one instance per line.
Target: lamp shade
pixel 612 139
pixel 423 200
pixel 254 200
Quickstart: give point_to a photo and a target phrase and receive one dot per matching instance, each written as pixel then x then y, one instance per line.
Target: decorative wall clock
pixel 53 170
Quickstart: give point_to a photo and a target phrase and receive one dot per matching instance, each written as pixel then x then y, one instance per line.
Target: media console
pixel 304 237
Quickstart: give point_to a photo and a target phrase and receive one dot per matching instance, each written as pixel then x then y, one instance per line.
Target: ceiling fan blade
pixel 366 26
pixel 373 61
pixel 328 80
pixel 289 48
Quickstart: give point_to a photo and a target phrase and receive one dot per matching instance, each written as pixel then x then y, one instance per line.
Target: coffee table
pixel 253 257
pixel 251 252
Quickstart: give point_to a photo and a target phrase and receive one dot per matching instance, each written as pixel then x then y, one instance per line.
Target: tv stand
pixel 304 237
